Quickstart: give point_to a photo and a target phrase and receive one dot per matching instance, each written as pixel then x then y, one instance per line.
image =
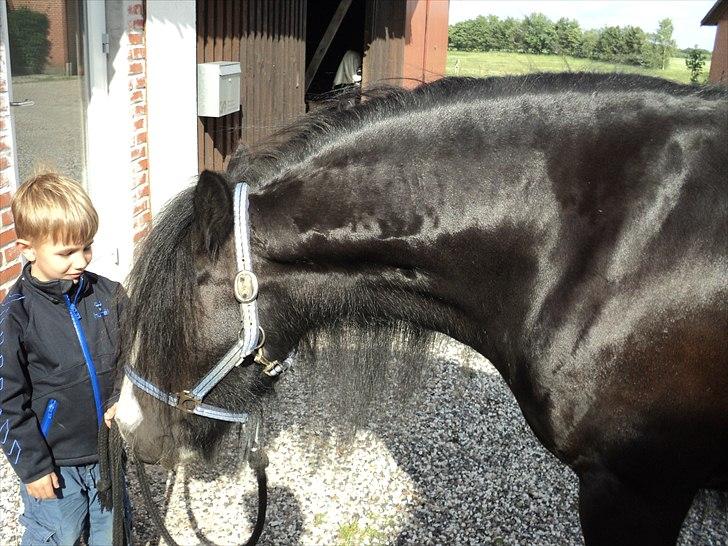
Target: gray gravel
pixel 456 465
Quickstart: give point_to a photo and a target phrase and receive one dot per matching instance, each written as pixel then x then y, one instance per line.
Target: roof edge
pixel 715 14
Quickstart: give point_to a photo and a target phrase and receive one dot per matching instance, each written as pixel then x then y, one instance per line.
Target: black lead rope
pixel 111 453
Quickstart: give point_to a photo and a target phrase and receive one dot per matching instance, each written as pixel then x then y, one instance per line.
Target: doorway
pixel 49 86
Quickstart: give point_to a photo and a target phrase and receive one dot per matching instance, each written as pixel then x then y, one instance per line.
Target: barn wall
pixel 425 51
pixel 384 40
pixel 719 59
pixel 268 38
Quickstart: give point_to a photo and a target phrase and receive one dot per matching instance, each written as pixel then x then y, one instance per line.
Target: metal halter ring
pixel 246 286
pixel 186 402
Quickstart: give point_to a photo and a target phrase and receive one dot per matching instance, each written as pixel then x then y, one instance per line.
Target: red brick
pixel 142 192
pixel 140 110
pixel 8 236
pixel 139 180
pixel 141 207
pixel 3 293
pixel 138 236
pixel 139 124
pixel 141 138
pixel 5 199
pixel 140 151
pixel 136 38
pixel 10 273
pixel 136 96
pixel 7 218
pixel 136 68
pixel 141 83
pixel 137 53
pixel 11 253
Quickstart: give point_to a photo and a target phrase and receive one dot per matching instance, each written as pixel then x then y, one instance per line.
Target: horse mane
pixel 258 164
pixel 159 322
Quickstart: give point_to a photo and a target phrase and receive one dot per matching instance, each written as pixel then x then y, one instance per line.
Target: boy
pixel 58 350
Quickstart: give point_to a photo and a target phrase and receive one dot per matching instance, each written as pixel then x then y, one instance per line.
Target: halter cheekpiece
pixel 250 339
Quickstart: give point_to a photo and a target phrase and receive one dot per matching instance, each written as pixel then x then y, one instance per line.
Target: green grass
pixel 496 63
pixel 351 534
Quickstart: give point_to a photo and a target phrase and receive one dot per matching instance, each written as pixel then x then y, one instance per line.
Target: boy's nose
pixel 80 261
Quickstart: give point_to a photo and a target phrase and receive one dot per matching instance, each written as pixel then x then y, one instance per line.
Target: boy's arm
pixel 20 436
pixel 121 301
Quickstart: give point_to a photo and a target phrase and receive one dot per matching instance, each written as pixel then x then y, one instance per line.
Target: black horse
pixel 572 228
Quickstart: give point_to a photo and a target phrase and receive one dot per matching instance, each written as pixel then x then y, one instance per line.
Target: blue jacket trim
pixel 76 318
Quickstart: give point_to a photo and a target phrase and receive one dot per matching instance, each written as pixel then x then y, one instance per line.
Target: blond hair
pixel 52 207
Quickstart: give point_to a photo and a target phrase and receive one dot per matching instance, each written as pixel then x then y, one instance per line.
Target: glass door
pixel 49 67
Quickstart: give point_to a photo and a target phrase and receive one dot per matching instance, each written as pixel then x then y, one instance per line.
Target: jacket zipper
pixel 76 319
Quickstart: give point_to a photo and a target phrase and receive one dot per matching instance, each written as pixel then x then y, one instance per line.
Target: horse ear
pixel 213 216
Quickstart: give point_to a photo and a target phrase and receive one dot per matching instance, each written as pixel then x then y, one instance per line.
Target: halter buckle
pixel 246 286
pixel 269 366
pixel 187 402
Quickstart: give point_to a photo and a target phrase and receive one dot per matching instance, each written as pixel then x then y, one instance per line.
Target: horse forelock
pixel 159 327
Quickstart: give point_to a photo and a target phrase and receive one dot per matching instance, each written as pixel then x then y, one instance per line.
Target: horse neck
pixel 398 240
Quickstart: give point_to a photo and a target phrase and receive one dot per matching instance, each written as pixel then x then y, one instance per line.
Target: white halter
pixel 250 338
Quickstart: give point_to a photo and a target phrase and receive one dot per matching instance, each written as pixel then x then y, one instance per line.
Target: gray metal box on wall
pixel 218 88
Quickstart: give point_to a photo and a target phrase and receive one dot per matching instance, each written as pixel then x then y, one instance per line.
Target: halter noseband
pixel 250 338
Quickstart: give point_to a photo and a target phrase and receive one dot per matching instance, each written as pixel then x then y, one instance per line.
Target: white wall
pixel 172 97
pixel 108 137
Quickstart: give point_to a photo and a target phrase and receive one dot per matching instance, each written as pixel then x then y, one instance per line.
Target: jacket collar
pixel 53 290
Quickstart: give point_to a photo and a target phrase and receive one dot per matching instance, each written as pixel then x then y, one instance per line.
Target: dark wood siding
pixel 267 37
pixel 384 37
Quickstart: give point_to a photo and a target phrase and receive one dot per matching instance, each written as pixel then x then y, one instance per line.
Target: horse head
pixel 183 316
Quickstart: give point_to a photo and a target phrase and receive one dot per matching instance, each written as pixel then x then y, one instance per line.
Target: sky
pixel 593 14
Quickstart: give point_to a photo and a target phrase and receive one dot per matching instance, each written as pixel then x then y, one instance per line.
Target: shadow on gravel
pixel 455 464
pixel 478 473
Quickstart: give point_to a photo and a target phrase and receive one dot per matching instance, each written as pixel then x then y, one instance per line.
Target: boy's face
pixel 53 261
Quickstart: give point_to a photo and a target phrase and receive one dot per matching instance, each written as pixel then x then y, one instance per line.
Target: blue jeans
pixel 61 521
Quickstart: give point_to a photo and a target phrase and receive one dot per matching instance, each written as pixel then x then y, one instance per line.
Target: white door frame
pixel 13 174
pixel 108 132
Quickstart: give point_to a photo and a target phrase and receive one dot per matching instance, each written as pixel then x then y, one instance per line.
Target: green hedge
pixel 29 44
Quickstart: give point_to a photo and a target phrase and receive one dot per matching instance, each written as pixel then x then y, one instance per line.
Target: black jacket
pixel 41 359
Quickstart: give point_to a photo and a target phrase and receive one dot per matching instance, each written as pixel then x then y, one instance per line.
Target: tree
pixel 634 40
pixel 511 35
pixel 568 37
pixel 695 62
pixel 609 44
pixel 539 35
pixel 588 47
pixel 661 45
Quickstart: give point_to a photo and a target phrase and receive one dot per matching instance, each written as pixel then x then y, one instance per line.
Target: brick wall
pixel 138 114
pixel 9 260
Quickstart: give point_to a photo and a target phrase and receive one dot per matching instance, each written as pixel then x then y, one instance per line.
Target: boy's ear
pixel 213 216
pixel 26 249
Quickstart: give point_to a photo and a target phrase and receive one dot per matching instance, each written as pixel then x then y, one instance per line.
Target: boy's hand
pixel 43 488
pixel 109 415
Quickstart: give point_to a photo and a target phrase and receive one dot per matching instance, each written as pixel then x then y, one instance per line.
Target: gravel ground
pixel 456 465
